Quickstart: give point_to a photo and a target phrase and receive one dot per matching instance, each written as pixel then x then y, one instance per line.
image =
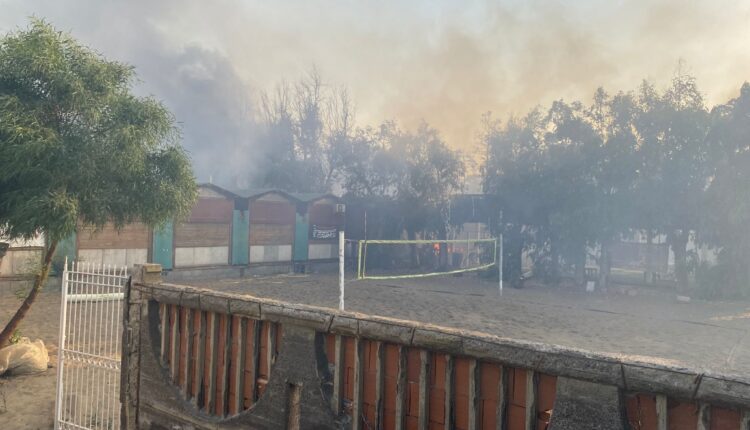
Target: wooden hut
pixel 318 220
pixel 108 245
pixel 271 227
pixel 204 239
pixel 22 257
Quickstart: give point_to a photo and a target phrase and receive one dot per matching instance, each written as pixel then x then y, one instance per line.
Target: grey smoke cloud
pixel 442 61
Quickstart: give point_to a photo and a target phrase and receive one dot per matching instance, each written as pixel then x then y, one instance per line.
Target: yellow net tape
pixel 362 246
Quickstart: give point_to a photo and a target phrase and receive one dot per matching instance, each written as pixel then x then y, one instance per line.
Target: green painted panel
pixel 65 248
pixel 163 244
pixel 300 238
pixel 240 237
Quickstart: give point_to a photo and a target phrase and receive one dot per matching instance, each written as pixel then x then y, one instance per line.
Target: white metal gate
pixel 88 370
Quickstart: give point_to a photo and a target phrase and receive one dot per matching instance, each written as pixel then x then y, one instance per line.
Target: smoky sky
pixel 443 62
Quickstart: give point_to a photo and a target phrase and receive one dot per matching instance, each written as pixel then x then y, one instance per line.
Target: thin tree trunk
pixel 39 281
pixel 604 264
pixel 554 256
pixel 412 249
pixel 648 275
pixel 580 274
pixel 513 255
pixel 678 242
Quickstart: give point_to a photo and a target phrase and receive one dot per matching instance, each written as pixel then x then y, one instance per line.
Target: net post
pixel 359 259
pixel 500 263
pixel 341 269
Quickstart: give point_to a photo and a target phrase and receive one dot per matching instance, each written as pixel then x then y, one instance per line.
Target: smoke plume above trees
pixel 442 62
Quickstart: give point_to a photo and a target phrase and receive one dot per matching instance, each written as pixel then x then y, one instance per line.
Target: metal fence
pixel 88 372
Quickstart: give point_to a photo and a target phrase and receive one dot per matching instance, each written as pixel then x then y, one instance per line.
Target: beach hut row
pixel 270 231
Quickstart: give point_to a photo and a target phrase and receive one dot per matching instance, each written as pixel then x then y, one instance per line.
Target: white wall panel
pixel 270 253
pixel 201 256
pixel 322 251
pixel 20 262
pixel 114 257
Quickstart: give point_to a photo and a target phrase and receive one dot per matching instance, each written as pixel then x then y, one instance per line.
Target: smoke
pixel 443 62
pixel 213 106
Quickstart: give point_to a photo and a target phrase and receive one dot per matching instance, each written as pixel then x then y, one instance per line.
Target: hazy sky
pixel 444 62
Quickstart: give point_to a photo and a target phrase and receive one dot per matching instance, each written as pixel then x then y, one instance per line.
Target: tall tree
pixel 726 218
pixel 511 178
pixel 78 147
pixel 673 176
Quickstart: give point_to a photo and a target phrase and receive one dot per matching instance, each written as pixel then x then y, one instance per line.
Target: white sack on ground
pixel 24 357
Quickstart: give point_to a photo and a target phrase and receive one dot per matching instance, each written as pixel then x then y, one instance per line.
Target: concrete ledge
pixel 344 325
pixel 214 303
pixel 386 332
pixel 609 369
pixel 438 340
pixel 302 317
pixel 244 308
pixel 651 379
pixel 721 390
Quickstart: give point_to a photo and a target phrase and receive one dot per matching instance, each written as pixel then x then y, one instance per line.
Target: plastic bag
pixel 24 357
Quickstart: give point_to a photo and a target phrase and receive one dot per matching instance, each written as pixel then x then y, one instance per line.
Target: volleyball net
pixel 402 259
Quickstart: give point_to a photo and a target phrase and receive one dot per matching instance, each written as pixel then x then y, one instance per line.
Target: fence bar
pixel 474 374
pixel 338 375
pixel 357 414
pixel 704 416
pixel 401 388
pixel 379 383
pixel 448 392
pixel 531 399
pixel 424 389
pixel 502 399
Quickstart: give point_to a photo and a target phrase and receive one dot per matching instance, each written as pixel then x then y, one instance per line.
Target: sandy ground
pixel 649 325
pixel 28 402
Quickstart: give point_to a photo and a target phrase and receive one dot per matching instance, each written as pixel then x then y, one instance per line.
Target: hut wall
pixel 324 223
pixel 22 257
pixel 271 229
pixel 205 238
pixel 125 247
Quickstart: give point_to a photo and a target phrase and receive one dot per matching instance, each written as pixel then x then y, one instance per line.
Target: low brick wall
pixel 196 358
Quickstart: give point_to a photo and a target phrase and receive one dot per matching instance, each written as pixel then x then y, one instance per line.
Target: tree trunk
pixel 513 256
pixel 413 258
pixel 605 264
pixel 678 241
pixel 554 264
pixel 580 273
pixel 648 274
pixel 39 281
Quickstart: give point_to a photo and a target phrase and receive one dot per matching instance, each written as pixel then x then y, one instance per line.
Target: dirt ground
pixel 28 402
pixel 643 324
pixel 639 323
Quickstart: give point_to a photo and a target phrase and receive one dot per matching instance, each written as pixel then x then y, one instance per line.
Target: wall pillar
pixel 240 237
pixel 163 245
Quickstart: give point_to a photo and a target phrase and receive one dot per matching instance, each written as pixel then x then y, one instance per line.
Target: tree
pixel 672 128
pixel 305 124
pixel 78 148
pixel 511 178
pixel 726 220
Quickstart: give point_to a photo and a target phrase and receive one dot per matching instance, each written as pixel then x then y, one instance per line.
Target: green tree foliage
pixel 726 217
pixel 78 148
pixel 575 178
pixel 674 172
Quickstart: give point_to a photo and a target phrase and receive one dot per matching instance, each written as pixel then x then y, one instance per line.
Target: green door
pixel 163 240
pixel 300 238
pixel 240 237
